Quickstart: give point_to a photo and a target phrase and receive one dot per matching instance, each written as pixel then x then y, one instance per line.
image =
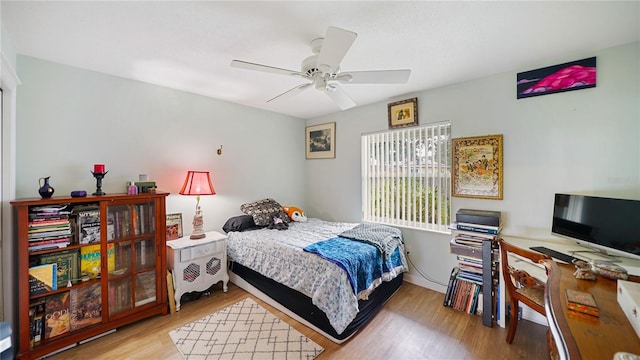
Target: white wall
pixel 8 82
pixel 585 141
pixel 68 119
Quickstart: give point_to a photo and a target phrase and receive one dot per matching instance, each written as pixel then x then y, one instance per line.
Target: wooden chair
pixel 521 286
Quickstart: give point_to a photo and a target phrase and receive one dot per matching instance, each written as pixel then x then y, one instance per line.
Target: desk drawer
pixel 629 300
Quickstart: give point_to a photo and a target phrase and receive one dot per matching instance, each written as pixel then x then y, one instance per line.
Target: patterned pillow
pixel 264 210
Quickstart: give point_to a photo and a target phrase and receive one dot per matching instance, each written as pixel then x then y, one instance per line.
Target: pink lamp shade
pixel 197 183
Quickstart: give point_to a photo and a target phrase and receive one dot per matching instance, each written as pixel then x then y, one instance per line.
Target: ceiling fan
pixel 322 70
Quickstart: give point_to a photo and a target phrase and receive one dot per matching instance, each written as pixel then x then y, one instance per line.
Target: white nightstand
pixel 197 264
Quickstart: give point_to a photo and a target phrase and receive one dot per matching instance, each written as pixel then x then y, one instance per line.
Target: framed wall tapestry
pixel 403 113
pixel 174 226
pixel 575 75
pixel 477 167
pixel 321 141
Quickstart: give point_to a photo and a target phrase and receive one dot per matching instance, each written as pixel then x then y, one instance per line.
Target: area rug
pixel 244 330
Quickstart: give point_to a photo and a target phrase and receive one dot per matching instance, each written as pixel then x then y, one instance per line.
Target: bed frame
pixel 300 306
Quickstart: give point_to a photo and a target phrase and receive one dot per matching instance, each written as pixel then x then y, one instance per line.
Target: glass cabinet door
pixel 132 256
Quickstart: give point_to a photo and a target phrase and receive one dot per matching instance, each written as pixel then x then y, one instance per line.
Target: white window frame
pixel 388 158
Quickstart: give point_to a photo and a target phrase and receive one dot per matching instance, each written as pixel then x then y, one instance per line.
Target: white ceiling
pixel 189 45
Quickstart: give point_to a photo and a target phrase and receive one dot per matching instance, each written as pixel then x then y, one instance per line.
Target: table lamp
pixel 197 183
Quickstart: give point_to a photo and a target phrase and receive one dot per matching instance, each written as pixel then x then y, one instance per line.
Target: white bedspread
pixel 278 255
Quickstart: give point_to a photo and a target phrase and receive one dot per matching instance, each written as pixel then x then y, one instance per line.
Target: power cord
pixel 426 277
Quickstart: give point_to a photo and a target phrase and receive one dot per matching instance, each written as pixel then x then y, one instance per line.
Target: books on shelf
pixel 43 278
pixel 462 294
pixel 49 227
pixel 36 322
pixel 471 286
pixel 583 302
pixel 85 306
pixel 88 224
pixel 57 319
pixel 486 229
pixel 67 265
pixel 90 263
pixel 118 224
pixel 145 288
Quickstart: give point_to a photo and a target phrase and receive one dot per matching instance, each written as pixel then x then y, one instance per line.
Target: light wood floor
pixel 412 325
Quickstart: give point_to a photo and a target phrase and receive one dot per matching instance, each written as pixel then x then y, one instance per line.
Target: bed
pixel 294 270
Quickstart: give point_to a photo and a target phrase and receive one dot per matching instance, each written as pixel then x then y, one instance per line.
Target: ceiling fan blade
pixel 375 77
pixel 291 92
pixel 264 68
pixel 341 98
pixel 335 45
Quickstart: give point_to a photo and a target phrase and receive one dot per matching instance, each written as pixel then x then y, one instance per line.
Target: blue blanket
pixel 362 262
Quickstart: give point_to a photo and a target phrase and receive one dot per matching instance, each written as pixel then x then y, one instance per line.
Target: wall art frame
pixel 574 75
pixel 174 226
pixel 477 167
pixel 403 113
pixel 320 141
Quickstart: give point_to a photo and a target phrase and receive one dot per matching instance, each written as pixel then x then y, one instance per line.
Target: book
pixel 145 288
pixel 582 302
pixel 43 279
pixel 450 286
pixel 67 265
pixel 90 263
pixel 480 217
pixel 57 319
pixel 472 234
pixel 88 224
pixel 85 306
pixel 36 322
pixel 479 228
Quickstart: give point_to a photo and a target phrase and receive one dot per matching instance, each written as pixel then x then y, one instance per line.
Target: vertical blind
pixel 406 177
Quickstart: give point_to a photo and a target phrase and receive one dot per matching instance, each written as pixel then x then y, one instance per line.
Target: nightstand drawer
pixel 199 251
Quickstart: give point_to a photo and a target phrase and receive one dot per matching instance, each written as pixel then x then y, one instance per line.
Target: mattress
pixel 301 307
pixel 278 256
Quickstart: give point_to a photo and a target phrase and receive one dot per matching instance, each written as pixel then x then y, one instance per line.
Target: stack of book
pixel 471 283
pixel 49 227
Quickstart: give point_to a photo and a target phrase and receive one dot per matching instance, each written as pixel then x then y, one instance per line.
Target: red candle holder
pixel 99 176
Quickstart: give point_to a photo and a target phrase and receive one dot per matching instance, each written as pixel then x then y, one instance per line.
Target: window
pixel 406 177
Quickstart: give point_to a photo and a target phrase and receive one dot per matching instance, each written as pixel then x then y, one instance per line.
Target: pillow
pixel 264 210
pixel 240 223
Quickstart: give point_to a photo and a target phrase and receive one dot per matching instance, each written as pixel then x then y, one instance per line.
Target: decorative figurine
pixel 583 270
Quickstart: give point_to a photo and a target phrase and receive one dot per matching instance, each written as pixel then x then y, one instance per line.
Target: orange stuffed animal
pixel 295 213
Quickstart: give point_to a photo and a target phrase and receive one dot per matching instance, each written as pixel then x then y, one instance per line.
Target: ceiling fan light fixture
pixel 320 83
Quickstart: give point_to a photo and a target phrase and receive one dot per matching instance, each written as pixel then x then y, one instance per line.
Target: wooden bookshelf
pixel 119 275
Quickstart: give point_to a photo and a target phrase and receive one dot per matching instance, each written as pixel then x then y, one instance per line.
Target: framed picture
pixel 477 167
pixel 403 113
pixel 174 226
pixel 321 141
pixel 575 75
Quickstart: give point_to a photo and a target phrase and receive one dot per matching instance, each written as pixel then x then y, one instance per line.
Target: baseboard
pixel 420 281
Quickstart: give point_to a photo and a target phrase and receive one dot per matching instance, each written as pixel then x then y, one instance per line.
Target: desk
pixel 580 336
